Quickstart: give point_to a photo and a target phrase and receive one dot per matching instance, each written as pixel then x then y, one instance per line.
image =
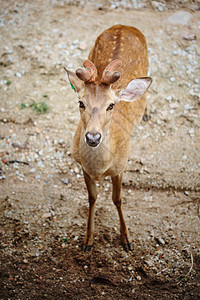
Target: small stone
pixel 40 152
pixel 19 75
pixel 169 98
pixel 65 180
pixel 180 17
pixel 172 79
pixel 186 193
pixel 76 170
pixel 173 105
pixel 46 215
pixel 82 46
pixel 188 106
pixel 37 176
pixel 191 131
pixel 161 241
pixel 138 277
pixel 2 177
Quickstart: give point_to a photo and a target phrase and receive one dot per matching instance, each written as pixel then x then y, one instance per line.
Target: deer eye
pixel 110 107
pixel 81 104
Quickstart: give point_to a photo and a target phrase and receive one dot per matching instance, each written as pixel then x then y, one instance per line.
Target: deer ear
pixel 135 89
pixel 75 82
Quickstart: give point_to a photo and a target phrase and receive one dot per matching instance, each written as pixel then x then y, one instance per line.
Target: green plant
pixel 39 107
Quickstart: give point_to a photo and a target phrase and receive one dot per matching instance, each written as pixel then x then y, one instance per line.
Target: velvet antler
pixel 89 73
pixel 109 76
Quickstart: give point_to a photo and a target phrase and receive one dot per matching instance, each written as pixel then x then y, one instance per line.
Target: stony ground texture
pixel 43 199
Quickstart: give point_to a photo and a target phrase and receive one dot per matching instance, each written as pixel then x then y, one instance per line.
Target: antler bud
pixel 109 76
pixel 89 73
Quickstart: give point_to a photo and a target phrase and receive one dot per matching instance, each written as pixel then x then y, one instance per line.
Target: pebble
pixel 172 79
pixel 18 74
pixel 32 170
pixel 169 98
pixel 37 176
pixel 82 46
pixel 76 170
pixel 188 106
pixel 191 131
pixel 186 193
pixel 65 180
pixel 180 18
pixel 161 241
pixel 41 152
pixel 46 215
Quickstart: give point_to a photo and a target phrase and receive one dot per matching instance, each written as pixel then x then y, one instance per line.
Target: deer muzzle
pixel 93 138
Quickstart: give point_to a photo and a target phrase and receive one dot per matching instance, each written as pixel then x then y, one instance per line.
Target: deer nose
pixel 93 138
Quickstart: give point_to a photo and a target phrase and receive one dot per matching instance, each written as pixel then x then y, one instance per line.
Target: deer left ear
pixel 75 82
pixel 135 89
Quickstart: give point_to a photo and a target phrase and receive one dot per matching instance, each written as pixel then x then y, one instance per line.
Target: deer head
pixel 97 99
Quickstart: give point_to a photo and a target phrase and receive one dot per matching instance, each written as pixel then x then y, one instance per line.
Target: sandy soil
pixel 43 198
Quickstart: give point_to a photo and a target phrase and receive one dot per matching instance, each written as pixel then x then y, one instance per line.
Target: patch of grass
pixel 8 82
pixel 23 105
pixel 65 240
pixel 38 107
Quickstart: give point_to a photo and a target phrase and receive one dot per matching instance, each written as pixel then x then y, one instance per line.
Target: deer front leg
pixel 116 197
pixel 92 195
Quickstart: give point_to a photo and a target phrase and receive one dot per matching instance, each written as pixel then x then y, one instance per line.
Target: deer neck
pixel 96 160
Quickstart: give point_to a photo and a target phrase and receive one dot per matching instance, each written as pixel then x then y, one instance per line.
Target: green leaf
pixel 45 96
pixel 65 240
pixel 8 82
pixel 23 105
pixel 41 107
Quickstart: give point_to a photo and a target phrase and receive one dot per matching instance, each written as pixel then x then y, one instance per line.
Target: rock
pixel 189 36
pixel 76 170
pixel 46 215
pixel 40 152
pixel 160 241
pixel 188 107
pixel 158 5
pixel 65 180
pixel 82 46
pixel 180 18
pixel 169 98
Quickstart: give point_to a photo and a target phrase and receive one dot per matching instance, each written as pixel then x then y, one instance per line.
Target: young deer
pixel 111 104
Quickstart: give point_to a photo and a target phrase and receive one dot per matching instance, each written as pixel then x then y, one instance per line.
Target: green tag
pixel 73 87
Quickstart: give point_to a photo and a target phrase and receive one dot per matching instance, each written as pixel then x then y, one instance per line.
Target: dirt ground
pixel 43 198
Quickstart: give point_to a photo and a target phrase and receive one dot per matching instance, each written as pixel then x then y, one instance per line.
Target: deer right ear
pixel 75 82
pixel 135 89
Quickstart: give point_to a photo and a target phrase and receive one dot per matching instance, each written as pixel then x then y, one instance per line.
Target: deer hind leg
pixel 146 117
pixel 92 195
pixel 116 197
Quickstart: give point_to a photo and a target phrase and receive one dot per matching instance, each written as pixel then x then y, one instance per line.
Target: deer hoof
pixel 87 248
pixel 146 117
pixel 127 247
